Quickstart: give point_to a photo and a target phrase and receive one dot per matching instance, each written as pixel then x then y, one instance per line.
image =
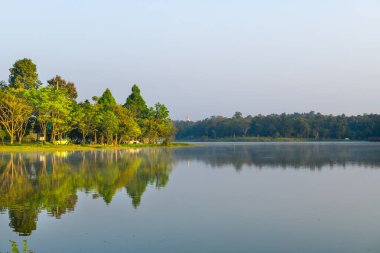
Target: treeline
pixel 297 125
pixel 30 111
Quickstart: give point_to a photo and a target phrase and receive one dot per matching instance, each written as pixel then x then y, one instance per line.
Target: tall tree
pixel 62 113
pixel 24 75
pixel 110 126
pixel 136 104
pixel 42 100
pixel 107 100
pixel 86 119
pixel 97 120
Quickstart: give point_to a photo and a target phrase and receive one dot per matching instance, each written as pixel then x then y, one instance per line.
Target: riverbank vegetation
pixel 31 112
pixel 281 127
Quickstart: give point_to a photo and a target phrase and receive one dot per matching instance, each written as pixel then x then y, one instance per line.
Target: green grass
pixel 30 147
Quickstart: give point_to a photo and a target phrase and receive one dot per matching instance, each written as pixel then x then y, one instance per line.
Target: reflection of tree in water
pixel 31 183
pixel 284 155
pixel 152 171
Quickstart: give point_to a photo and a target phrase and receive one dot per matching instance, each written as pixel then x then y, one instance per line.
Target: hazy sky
pixel 205 57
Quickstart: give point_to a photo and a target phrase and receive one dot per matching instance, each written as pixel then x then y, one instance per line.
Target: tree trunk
pixel 109 139
pixel 95 139
pixel 45 135
pixel 52 137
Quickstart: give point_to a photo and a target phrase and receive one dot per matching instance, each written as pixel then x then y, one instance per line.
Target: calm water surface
pixel 248 197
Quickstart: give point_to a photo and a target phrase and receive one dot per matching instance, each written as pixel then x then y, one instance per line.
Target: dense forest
pixel 297 125
pixel 30 112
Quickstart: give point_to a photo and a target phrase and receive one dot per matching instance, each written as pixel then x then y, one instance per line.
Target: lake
pixel 215 197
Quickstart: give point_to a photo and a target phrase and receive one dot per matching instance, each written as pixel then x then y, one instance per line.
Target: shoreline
pixel 77 147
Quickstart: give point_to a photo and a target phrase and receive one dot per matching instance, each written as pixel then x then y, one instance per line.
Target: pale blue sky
pixel 205 57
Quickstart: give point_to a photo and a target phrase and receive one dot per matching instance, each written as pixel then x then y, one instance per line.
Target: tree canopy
pixel 136 104
pixel 57 82
pixel 51 112
pixel 23 74
pixel 107 100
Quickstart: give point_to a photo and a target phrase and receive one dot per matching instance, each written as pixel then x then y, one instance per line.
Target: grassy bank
pixel 73 147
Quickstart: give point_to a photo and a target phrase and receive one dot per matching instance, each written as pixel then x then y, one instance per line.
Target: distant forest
pixel 297 125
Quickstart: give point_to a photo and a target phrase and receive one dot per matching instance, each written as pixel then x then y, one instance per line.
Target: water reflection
pixel 34 182
pixel 283 155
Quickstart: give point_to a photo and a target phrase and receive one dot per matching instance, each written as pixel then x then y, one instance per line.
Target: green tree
pixel 107 100
pixel 150 127
pixel 14 113
pixel 62 113
pixel 128 127
pixel 42 101
pixel 109 126
pixel 167 132
pixel 136 104
pixel 157 125
pixel 86 119
pixel 98 120
pixel 58 82
pixel 24 75
pixel 166 129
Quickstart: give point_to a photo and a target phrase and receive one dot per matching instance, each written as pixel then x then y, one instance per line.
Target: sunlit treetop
pixel 136 103
pixel 107 99
pixel 24 75
pixel 58 82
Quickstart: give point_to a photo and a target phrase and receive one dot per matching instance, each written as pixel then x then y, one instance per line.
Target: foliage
pixel 107 100
pixel 110 125
pixel 24 75
pixel 3 134
pixel 14 113
pixel 57 82
pixel 128 127
pixel 42 100
pixel 86 115
pixel 62 113
pixel 136 104
pixel 51 111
